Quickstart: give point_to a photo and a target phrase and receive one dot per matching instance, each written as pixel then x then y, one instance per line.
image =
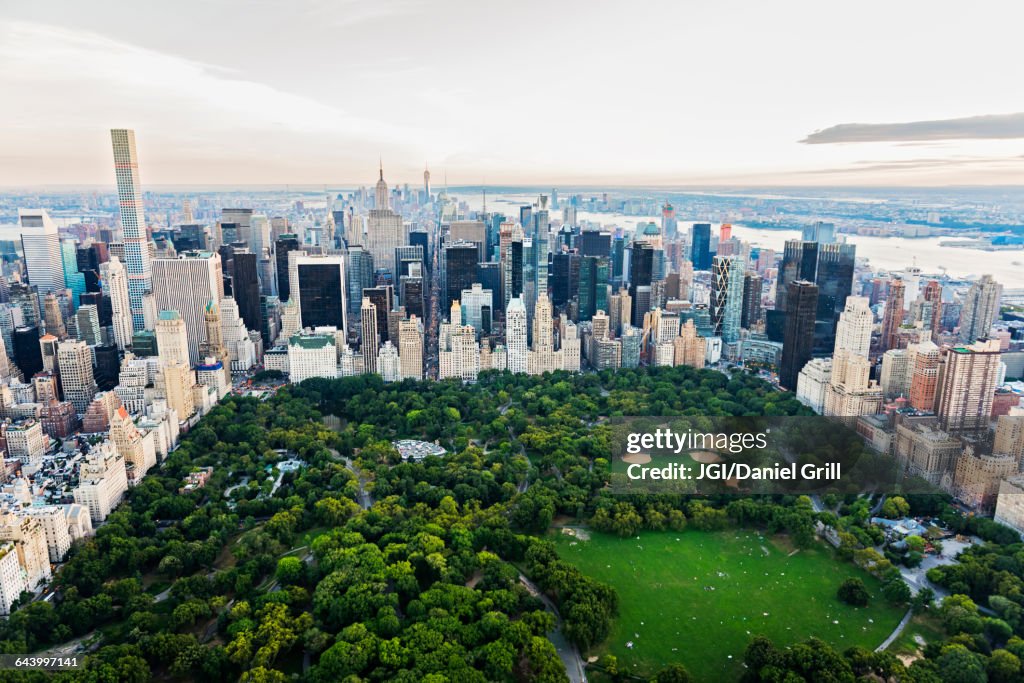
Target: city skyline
pixel 664 93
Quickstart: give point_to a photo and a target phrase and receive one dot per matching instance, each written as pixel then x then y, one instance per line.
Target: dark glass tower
pixel 321 295
pixel 282 246
pixel 798 343
pixel 459 271
pixel 700 251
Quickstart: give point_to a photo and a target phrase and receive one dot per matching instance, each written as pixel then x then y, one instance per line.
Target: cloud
pixel 989 127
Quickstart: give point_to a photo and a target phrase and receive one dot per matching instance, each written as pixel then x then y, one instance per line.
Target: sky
pixel 673 92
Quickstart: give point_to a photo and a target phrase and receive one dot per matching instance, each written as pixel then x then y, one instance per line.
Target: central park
pixel 314 553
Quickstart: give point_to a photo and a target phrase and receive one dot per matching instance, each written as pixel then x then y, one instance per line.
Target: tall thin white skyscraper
pixel 41 246
pixel 133 222
pixel 515 335
pixel 115 285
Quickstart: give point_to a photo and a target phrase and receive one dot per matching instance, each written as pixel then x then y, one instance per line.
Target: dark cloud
pixel 993 127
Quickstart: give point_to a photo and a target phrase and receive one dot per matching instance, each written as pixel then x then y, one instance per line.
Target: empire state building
pixel 384 230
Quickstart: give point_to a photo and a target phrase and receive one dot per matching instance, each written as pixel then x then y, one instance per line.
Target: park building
pixel 388 364
pixel 29 538
pixel 977 475
pixel 311 355
pixel 103 481
pixel 813 382
pixel 1010 503
pixel 56 529
pixel 12 581
pixel 924 450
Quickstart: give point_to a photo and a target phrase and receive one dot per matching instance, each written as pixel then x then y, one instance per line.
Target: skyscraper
pixel 967 388
pixel 980 309
pixel 369 339
pixel 74 360
pixel 245 288
pixel 515 335
pixel 384 230
pixel 932 294
pixel 186 283
pixel 460 259
pixel 593 285
pixel 892 316
pixel 802 306
pixel 834 278
pixel 853 332
pixel 641 267
pixel 41 247
pixel 700 246
pixel 321 289
pixel 799 262
pixel 133 222
pixel 115 285
pixel 727 296
pixel 283 245
pixel 410 347
pixel 752 312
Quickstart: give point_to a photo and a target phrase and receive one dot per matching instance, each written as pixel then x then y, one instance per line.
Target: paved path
pixel 567 652
pixel 897 631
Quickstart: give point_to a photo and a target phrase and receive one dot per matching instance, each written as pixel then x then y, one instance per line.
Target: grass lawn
pixel 923 628
pixel 699 597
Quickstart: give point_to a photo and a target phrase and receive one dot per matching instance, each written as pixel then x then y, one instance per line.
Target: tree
pixel 290 570
pixel 1003 667
pixel 957 664
pixel 895 507
pixel 852 591
pixel 896 591
pixel 675 673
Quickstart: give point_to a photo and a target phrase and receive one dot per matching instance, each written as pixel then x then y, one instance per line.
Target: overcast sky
pixel 524 91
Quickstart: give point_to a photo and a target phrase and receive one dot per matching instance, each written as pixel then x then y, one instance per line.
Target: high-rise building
pixel 799 262
pixel 284 244
pixel 410 347
pixel 245 287
pixel 980 309
pixel 853 332
pixel 53 318
pixel 822 233
pixel 932 294
pixel 186 284
pixel 370 340
pixel 477 305
pixel 460 259
pixel 137 259
pixel 511 254
pixel 967 386
pixel 834 278
pixel 727 296
pixel 411 292
pixel 924 374
pixel 320 287
pixel 752 287
pixel 892 316
pixel 40 244
pixel 115 285
pixel 384 229
pixel 641 268
pixel 700 246
pixel 801 308
pixel 515 335
pixel 594 273
pixel 87 322
pixel 74 280
pixel 27 355
pixel 74 361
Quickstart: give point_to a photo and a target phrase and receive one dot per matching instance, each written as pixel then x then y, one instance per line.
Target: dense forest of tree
pixel 245 580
